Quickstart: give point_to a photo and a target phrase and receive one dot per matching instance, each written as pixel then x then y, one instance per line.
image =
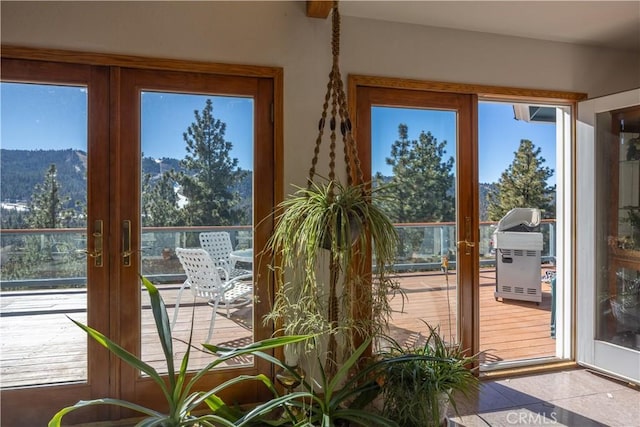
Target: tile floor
pixel 572 398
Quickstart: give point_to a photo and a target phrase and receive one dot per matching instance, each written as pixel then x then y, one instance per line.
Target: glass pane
pixel 42 264
pixel 618 225
pixel 197 193
pixel 413 152
pixel 517 175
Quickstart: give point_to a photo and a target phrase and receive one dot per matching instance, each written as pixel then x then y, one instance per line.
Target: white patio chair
pixel 204 281
pixel 218 244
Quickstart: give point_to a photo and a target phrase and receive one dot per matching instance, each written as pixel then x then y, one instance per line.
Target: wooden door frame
pixel 127 159
pixel 463 106
pixel 28 404
pixel 33 405
pixel 469 309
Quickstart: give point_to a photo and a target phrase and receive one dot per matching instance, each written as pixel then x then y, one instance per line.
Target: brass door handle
pixel 467 242
pixel 97 252
pixel 126 243
pixel 467 246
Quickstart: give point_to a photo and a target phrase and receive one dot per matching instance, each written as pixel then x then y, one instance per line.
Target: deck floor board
pixel 36 333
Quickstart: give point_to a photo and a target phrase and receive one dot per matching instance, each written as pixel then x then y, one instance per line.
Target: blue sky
pixel 54 117
pixel 499 135
pixel 166 116
pixel 43 116
pixel 384 131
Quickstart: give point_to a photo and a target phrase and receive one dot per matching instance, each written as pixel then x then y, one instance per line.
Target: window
pixel 448 269
pixel 133 158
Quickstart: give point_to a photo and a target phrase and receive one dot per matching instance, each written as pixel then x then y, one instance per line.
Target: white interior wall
pixel 279 34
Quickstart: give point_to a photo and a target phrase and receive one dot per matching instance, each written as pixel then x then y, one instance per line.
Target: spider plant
pixel 178 389
pixel 332 225
pixel 417 393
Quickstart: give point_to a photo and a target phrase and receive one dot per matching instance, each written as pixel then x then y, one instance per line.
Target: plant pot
pixel 443 407
pixel 355 228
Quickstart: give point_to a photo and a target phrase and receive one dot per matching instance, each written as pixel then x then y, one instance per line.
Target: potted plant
pixel 323 235
pixel 330 225
pixel 417 393
pixel 344 400
pixel 179 389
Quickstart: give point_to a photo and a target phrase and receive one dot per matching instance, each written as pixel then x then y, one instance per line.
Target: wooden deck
pixel 39 345
pixel 509 330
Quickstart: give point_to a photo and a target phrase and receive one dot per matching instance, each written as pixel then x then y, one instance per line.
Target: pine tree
pixel 422 186
pixel 12 219
pixel 46 206
pixel 523 184
pixel 160 206
pixel 46 210
pixel 210 173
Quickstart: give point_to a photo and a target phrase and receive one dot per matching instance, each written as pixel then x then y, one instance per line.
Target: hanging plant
pixel 330 224
pixel 333 225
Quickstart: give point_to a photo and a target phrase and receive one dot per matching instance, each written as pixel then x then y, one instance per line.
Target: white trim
pixel 564 231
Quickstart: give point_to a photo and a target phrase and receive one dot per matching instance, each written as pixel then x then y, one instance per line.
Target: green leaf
pixel 347 365
pixel 57 418
pixel 270 406
pixel 123 354
pixel 225 353
pixel 180 391
pixel 202 396
pixel 217 421
pixel 162 324
pixel 219 407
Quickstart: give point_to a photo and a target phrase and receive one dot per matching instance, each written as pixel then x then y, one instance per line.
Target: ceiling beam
pixel 319 8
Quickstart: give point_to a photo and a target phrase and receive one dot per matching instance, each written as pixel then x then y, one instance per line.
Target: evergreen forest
pixel 22 170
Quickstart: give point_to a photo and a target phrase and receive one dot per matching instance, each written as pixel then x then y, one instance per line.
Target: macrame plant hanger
pixel 339 111
pixel 339 119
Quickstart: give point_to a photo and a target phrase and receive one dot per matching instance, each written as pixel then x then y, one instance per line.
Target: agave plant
pixel 330 224
pixel 179 391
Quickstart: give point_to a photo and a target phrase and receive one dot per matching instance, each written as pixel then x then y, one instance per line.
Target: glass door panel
pixel 618 290
pixel 197 192
pixel 520 152
pixel 188 153
pixel 609 307
pixel 53 265
pixel 419 145
pixel 413 152
pixel 44 200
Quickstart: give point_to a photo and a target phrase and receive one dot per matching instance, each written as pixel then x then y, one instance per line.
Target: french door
pixel 137 125
pixel 56 365
pixel 242 106
pixel 422 144
pixel 402 126
pixel 608 234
